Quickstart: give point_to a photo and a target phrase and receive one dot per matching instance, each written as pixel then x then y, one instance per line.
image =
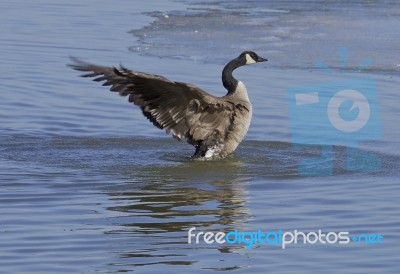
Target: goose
pixel 213 125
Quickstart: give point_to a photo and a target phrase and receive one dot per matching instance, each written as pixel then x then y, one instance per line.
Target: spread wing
pixel 184 109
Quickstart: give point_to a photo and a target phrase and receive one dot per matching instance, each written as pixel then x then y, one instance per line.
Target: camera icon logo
pixel 341 113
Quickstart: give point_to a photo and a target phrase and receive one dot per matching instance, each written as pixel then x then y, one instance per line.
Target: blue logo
pixel 280 238
pixel 343 112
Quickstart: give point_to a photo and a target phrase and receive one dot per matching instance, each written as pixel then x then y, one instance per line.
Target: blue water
pixel 89 186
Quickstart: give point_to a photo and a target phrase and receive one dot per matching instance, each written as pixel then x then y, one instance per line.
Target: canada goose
pixel 213 125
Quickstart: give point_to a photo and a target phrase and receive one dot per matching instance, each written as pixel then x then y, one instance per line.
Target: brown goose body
pixel 213 125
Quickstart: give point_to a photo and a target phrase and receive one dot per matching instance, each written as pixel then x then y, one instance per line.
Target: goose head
pixel 245 58
pixel 250 57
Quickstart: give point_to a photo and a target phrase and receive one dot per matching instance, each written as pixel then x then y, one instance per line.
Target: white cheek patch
pixel 249 60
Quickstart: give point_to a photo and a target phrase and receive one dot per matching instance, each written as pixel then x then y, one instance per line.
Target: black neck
pixel 230 83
